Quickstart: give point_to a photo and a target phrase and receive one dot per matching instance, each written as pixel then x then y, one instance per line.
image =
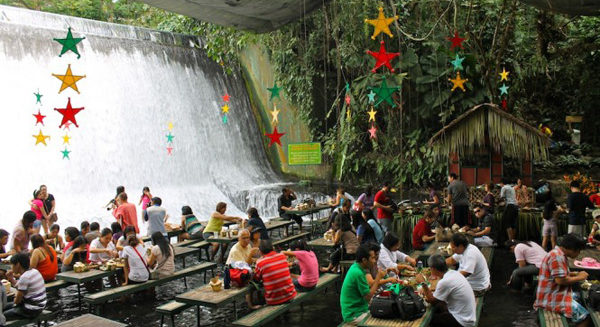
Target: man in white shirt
pixel 471 264
pixel 511 211
pixel 391 258
pixel 242 251
pixel 453 302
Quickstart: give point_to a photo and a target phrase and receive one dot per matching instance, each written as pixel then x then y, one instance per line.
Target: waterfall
pixel 137 81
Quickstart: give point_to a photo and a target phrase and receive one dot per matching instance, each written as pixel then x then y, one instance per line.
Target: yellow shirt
pixel 238 253
pixel 214 225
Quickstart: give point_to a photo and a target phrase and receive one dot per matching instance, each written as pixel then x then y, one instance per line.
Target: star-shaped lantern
pixel 67 126
pixel 170 126
pixel 38 97
pixel 381 24
pixel 275 115
pixel 347 99
pixel 372 114
pixel 456 41
pixel 69 80
pixel 226 97
pixel 371 96
pixel 170 137
pixel 503 89
pixel 65 154
pixel 504 104
pixel 457 62
pixel 41 138
pixel 66 139
pixel 274 137
pixel 348 115
pixel 504 75
pixel 169 150
pixel 384 92
pixel 274 91
pixel 39 118
pixel 68 114
pixel 225 109
pixel 224 119
pixel 69 44
pixel 373 132
pixel 457 82
pixel 382 58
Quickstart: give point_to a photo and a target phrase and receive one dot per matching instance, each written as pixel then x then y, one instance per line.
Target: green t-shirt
pixel 354 289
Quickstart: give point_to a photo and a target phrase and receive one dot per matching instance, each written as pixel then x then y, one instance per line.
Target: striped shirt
pixel 273 270
pixel 31 284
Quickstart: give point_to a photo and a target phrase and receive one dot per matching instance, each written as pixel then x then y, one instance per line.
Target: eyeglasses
pixel 477 211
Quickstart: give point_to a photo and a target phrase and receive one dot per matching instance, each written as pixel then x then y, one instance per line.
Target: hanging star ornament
pixel 169 150
pixel 373 132
pixel 347 87
pixel 504 75
pixel 225 119
pixel 384 92
pixel 67 126
pixel 68 114
pixel 39 118
pixel 69 80
pixel 275 115
pixel 274 137
pixel 65 154
pixel 381 24
pixel 458 82
pixel 504 104
pixel 66 139
pixel 457 62
pixel 170 137
pixel 503 89
pixel 456 41
pixel 69 44
pixel 170 126
pixel 347 99
pixel 225 109
pixel 38 97
pixel 372 114
pixel 41 138
pixel 371 96
pixel 274 91
pixel 348 115
pixel 226 97
pixel 382 58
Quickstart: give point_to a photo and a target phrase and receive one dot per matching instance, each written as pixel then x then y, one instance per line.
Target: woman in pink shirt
pixel 37 206
pixel 309 266
pixel 529 256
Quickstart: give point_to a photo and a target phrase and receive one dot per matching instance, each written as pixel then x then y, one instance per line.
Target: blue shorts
pixel 580 313
pixel 37 223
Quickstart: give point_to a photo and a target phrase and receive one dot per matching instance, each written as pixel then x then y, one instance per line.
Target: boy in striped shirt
pixel 272 268
pixel 30 300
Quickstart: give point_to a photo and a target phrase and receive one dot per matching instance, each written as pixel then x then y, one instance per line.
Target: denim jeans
pixel 521 275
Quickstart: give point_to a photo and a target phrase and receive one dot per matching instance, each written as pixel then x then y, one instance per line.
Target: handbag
pixel 150 273
pixel 410 305
pixel 384 306
pixel 594 296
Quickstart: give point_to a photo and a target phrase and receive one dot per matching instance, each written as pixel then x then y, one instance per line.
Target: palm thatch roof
pixel 485 126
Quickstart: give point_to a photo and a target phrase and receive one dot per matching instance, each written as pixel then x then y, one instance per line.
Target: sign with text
pixel 304 154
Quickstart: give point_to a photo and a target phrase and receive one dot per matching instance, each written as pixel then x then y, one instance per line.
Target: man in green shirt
pixel 356 293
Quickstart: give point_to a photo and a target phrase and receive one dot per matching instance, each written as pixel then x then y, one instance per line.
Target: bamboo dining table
pixel 90 320
pixel 206 297
pixel 73 277
pixel 311 212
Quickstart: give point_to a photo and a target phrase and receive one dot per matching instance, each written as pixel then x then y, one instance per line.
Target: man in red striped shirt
pixel 274 272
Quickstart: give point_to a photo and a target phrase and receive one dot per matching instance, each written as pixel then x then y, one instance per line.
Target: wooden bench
pixel 344 266
pixel 376 322
pixel 188 242
pixel 595 315
pixel 43 317
pixel 171 308
pixel 488 254
pixel 270 312
pixel 478 309
pixel 202 245
pixel 55 285
pixel 278 225
pixel 290 239
pixel 105 296
pixel 551 319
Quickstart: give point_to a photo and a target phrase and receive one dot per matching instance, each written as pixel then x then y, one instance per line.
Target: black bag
pixel 594 296
pixel 384 306
pixel 410 305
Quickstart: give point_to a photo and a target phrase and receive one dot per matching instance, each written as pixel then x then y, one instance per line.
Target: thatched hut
pixel 486 142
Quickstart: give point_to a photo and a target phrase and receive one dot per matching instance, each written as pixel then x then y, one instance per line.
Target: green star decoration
pixel 274 91
pixel 371 96
pixel 503 89
pixel 347 87
pixel 69 44
pixel 38 97
pixel 170 137
pixel 457 63
pixel 65 154
pixel 224 119
pixel 385 93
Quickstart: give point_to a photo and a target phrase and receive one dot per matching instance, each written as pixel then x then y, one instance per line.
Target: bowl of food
pixel 79 267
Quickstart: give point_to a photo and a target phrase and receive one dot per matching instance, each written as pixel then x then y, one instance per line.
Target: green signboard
pixel 304 154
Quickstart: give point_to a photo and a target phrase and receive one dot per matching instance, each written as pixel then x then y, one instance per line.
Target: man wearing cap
pixel 156 216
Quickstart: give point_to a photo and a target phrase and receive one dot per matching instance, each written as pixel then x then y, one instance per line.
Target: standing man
pixel 125 213
pixel 285 203
pixel 156 216
pixel 511 211
pixel 458 197
pixel 385 213
pixel 576 203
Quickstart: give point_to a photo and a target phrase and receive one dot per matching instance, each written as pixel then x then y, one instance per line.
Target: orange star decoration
pixel 381 24
pixel 69 80
pixel 41 138
pixel 504 75
pixel 458 82
pixel 274 137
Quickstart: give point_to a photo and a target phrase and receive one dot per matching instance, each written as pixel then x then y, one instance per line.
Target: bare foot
pixel 324 269
pixel 255 307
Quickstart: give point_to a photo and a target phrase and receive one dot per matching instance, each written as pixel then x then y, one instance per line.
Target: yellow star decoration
pixel 372 114
pixel 225 109
pixel 275 114
pixel 458 82
pixel 69 80
pixel 41 138
pixel 381 24
pixel 170 126
pixel 66 139
pixel 348 115
pixel 504 75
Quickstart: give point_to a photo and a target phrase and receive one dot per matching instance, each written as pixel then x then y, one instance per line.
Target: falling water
pixel 137 81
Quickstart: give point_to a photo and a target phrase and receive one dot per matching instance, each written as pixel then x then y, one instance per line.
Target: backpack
pixel 594 296
pixel 410 305
pixel 383 305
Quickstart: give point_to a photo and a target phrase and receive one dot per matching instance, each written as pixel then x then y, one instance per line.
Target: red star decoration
pixel 275 137
pixel 67 126
pixel 68 114
pixel 456 41
pixel 504 104
pixel 383 58
pixel 39 118
pixel 226 97
pixel 347 99
pixel 169 150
